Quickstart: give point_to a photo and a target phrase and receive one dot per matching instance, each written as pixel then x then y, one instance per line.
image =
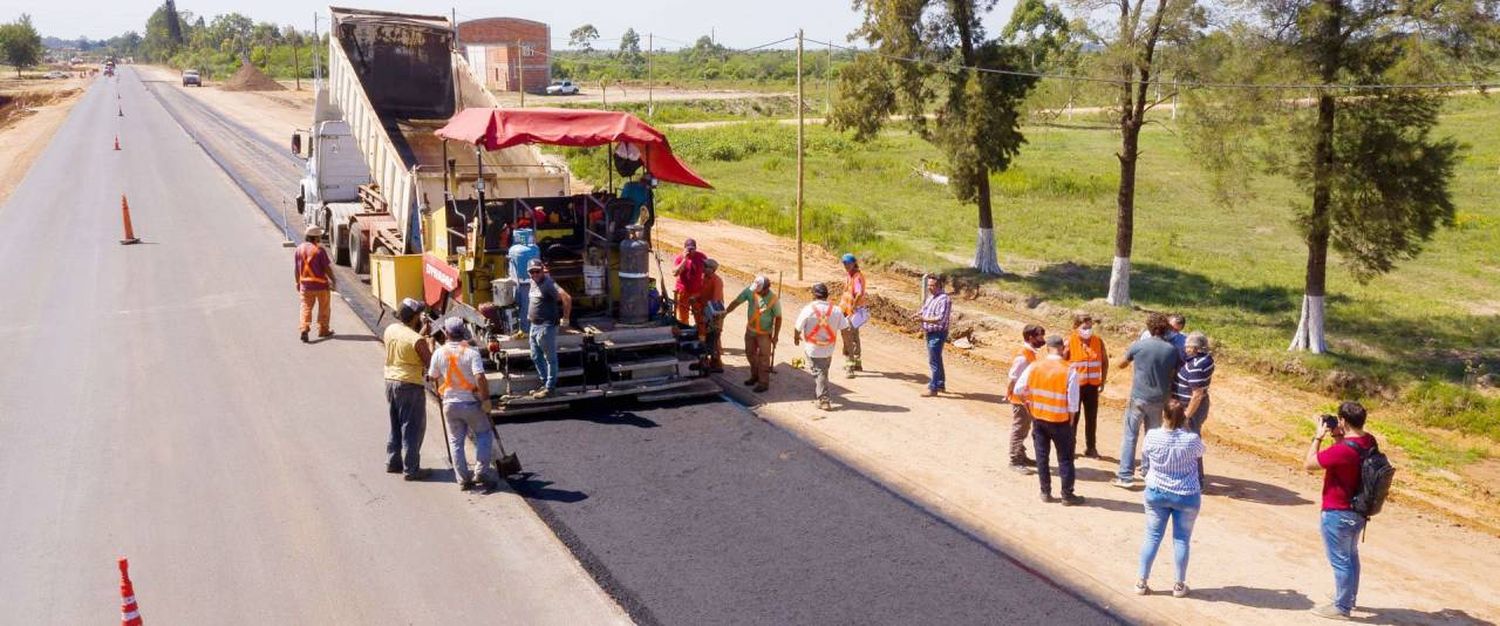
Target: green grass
pixel 730 109
pixel 1410 336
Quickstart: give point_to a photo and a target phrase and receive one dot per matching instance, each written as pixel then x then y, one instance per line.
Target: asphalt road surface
pixel 157 404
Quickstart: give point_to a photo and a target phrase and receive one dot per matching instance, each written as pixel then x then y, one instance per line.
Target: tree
pixel 1375 178
pixel 20 44
pixel 1132 57
pixel 630 52
pixel 977 125
pixel 582 38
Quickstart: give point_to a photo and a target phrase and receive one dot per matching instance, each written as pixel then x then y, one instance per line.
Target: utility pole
pixel 650 103
pixel 799 153
pixel 521 72
pixel 296 68
pixel 828 84
pixel 317 41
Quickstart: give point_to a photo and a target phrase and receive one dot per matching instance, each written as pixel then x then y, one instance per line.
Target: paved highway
pixel 157 404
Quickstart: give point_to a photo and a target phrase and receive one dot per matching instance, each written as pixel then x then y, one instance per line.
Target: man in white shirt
pixel 458 371
pixel 817 328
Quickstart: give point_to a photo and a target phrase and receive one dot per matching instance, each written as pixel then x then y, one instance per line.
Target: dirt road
pixel 158 405
pixel 27 132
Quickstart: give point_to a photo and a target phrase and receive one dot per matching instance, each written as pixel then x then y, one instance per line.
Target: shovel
pixel 508 464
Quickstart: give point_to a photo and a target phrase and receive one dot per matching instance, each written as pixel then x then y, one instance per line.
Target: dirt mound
pixel 248 78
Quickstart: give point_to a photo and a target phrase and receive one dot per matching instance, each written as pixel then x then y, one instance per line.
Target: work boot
pixel 1072 500
pixel 326 332
pixel 760 388
pixel 716 365
pixel 544 392
pixel 825 405
pixel 303 336
pixel 1329 611
pixel 418 474
pixel 467 485
pixel 1047 498
pixel 1021 469
pixel 393 468
pixel 1091 453
pixel 751 381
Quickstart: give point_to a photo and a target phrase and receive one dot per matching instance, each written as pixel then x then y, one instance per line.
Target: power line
pixel 1178 84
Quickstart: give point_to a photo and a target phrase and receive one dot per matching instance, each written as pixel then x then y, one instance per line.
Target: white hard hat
pixel 313 231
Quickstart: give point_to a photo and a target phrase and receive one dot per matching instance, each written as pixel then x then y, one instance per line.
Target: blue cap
pixel 848 257
pixel 454 328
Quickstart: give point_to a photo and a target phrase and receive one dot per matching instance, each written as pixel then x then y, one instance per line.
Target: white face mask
pixel 1085 332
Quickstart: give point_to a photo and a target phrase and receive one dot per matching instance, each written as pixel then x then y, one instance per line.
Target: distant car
pixel 54 74
pixel 190 77
pixel 562 88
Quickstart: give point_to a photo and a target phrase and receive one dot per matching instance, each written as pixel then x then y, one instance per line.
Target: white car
pixel 54 75
pixel 562 88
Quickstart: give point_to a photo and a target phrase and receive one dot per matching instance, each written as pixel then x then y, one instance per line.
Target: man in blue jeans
pixel 1155 361
pixel 934 317
pixel 1341 525
pixel 548 307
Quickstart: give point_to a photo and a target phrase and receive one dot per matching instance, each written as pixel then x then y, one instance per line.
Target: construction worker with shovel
pixel 458 371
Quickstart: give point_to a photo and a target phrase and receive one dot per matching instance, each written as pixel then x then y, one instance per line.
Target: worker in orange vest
pixel 1032 337
pixel 762 329
pixel 1087 354
pixel 710 322
pixel 818 324
pixel 458 371
pixel 1049 386
pixel 314 276
pixel 856 311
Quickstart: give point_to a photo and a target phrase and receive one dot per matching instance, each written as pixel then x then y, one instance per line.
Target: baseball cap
pixel 1054 341
pixel 454 328
pixel 409 308
pixel 820 290
pixel 534 264
pixel 848 257
pixel 313 231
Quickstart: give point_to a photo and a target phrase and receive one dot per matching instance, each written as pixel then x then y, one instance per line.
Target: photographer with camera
pixel 1341 524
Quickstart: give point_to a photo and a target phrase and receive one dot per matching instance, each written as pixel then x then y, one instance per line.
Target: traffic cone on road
pixel 130 237
pixel 117 143
pixel 122 111
pixel 130 613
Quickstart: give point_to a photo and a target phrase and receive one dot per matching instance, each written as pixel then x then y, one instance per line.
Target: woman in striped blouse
pixel 1173 491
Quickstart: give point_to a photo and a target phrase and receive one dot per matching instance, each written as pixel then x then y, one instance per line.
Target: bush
pixel 1446 405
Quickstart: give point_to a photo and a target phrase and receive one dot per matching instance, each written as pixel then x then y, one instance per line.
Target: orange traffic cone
pixel 117 143
pixel 130 613
pixel 130 237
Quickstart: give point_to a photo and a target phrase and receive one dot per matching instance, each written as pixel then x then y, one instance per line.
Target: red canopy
pixel 495 129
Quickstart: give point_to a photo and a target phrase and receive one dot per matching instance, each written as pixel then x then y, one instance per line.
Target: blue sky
pixel 735 23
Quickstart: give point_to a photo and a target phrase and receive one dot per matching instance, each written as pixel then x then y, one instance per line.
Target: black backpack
pixel 1375 474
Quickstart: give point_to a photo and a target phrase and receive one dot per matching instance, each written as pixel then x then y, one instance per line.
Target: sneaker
pixel 417 474
pixel 1021 469
pixel 1123 483
pixel 1180 590
pixel 1329 611
pixel 393 468
pixel 825 405
pixel 1072 499
pixel 1141 589
pixel 1048 499
pixel 467 485
pixel 303 336
pixel 929 393
pixel 542 393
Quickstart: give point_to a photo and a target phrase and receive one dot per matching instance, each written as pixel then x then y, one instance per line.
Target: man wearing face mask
pixel 1087 355
pixel 1033 338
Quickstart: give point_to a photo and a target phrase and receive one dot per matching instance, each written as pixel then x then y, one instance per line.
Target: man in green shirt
pixel 762 328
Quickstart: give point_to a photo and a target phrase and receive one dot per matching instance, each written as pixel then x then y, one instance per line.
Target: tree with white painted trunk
pixel 977 121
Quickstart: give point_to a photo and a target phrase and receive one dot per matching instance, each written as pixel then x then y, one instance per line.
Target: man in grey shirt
pixel 548 308
pixel 1155 372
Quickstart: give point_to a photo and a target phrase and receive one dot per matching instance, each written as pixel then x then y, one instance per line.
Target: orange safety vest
pixel 854 295
pixel 759 311
pixel 1049 391
pixel 454 377
pixel 307 273
pixel 822 333
pixel 1029 353
pixel 1088 358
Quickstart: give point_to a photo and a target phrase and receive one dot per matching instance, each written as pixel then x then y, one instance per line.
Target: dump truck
pixel 453 222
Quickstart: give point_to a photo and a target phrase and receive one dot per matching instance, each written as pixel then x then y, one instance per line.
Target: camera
pixel 1330 422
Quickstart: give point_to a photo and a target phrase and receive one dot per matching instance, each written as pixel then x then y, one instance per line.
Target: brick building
pixel 510 53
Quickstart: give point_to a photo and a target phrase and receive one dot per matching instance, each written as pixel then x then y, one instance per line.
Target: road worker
pixel 710 323
pixel 819 324
pixel 408 352
pixel 1087 354
pixel 856 311
pixel 762 328
pixel 548 308
pixel 688 268
pixel 458 371
pixel 314 277
pixel 1049 386
pixel 1032 337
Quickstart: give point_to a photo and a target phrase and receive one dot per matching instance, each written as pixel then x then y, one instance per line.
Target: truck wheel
pixel 340 252
pixel 359 252
pixel 301 201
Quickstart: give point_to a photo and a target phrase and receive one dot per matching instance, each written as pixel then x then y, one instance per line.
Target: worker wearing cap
pixel 458 371
pixel 762 328
pixel 711 326
pixel 819 324
pixel 1049 386
pixel 688 268
pixel 1088 355
pixel 856 311
pixel 408 352
pixel 1033 337
pixel 548 308
pixel 313 273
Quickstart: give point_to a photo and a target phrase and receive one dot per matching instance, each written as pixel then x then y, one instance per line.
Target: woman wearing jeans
pixel 1172 491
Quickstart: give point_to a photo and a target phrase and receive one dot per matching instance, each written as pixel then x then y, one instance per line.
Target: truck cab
pixel 333 172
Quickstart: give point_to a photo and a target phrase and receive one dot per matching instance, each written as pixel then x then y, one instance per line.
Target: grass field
pixel 1414 338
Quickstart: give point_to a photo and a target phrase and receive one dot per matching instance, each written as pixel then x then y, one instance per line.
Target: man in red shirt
pixel 1341 525
pixel 688 268
pixel 314 277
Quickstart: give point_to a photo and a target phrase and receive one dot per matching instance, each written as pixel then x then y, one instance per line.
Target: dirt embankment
pixel 249 78
pixel 30 112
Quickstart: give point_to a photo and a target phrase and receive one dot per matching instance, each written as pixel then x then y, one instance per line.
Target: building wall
pixel 509 66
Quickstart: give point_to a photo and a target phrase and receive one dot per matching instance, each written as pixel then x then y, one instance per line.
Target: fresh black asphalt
pixel 705 514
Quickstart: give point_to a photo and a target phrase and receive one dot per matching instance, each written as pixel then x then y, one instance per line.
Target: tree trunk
pixel 1309 335
pixel 1119 274
pixel 985 257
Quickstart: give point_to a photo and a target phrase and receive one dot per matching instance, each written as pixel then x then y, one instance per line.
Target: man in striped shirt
pixel 934 317
pixel 1190 391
